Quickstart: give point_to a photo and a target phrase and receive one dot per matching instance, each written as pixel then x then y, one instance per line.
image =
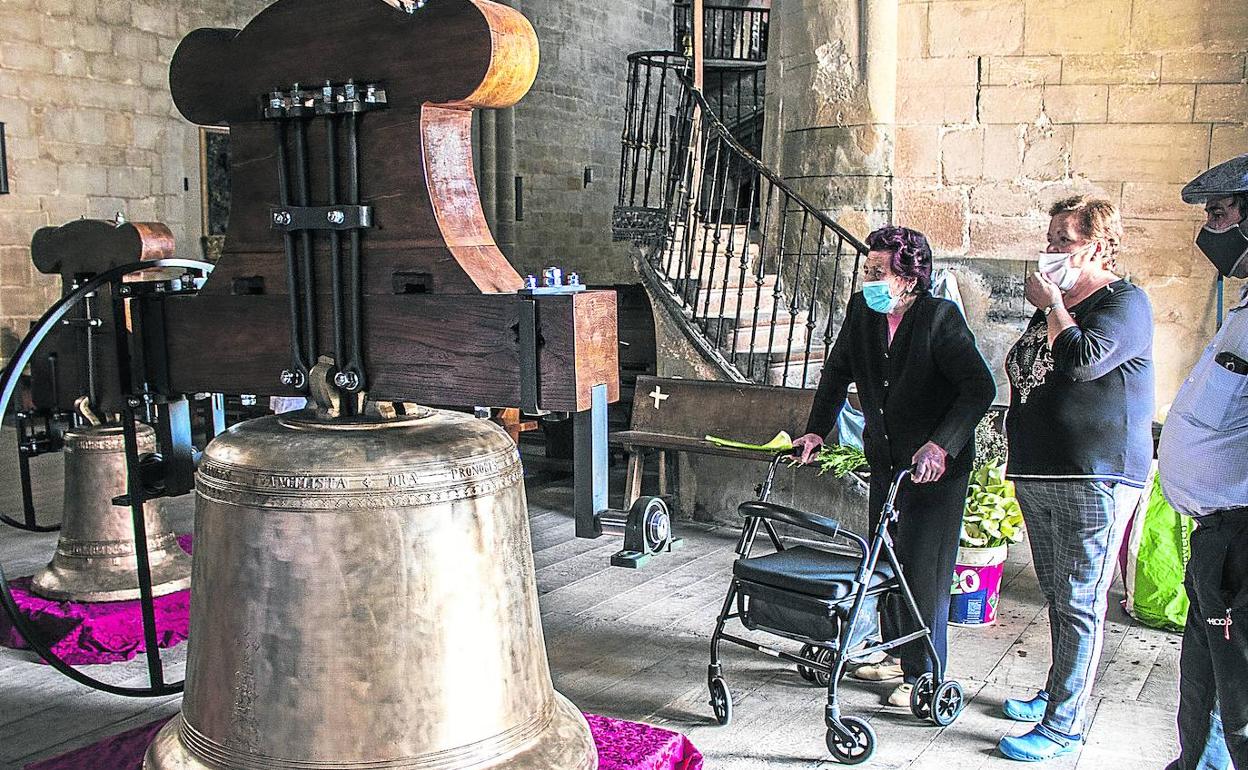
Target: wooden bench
pixel 675 415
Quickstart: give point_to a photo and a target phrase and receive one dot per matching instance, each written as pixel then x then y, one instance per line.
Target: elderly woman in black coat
pixel 924 387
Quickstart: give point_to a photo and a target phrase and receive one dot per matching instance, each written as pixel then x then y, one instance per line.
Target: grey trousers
pixel 1075 529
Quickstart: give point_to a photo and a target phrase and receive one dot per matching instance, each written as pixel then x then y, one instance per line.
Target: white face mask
pixel 1058 269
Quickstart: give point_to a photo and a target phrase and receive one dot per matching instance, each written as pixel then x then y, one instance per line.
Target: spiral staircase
pixel 756 276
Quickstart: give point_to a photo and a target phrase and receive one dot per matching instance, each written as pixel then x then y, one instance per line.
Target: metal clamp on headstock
pixel 295 214
pixel 553 282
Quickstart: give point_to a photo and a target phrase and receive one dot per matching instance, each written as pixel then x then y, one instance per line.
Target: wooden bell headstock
pixel 406 288
pixel 88 247
pixel 415 156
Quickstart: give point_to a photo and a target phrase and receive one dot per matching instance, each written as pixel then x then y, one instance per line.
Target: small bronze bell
pixel 95 555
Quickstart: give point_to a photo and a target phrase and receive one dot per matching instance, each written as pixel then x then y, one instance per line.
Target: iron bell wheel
pixel 9 379
pixel 947 703
pixel 855 750
pixel 721 700
pixel 921 696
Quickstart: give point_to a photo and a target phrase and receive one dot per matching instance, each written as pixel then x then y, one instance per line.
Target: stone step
pixel 675 264
pixel 714 302
pixel 721 329
pixel 705 267
pixel 731 282
pixel 737 234
pixel 793 376
pixel 768 338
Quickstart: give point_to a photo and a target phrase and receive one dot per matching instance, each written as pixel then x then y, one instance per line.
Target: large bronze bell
pixel 95 559
pixel 365 597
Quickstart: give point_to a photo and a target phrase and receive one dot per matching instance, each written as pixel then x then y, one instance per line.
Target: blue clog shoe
pixel 1027 710
pixel 1038 745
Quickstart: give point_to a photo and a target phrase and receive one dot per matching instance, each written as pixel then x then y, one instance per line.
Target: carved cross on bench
pixel 675 415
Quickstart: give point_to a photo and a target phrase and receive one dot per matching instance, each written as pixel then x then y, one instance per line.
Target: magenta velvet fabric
pixel 622 745
pixel 99 632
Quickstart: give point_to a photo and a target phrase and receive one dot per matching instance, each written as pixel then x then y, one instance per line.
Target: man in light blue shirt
pixel 1203 462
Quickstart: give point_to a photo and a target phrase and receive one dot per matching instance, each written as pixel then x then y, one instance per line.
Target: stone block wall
pixel 1004 106
pixel 91 128
pixel 572 119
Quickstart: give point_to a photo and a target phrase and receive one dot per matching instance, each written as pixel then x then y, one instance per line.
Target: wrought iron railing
pixel 736 95
pixel 657 92
pixel 727 33
pixel 759 274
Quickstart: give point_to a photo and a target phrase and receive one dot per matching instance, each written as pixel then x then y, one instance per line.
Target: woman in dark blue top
pixel 1080 445
pixel 924 387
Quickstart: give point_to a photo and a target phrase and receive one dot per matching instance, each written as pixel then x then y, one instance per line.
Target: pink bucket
pixel 976 585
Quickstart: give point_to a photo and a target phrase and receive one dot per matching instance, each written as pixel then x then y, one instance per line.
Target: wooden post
pixel 698 35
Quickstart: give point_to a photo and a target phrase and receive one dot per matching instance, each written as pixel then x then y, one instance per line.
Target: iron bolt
pixel 134 403
pixel 292 378
pixel 347 380
pixel 336 217
pixel 281 218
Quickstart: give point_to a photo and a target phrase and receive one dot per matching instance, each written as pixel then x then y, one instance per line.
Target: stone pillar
pixel 505 184
pixel 1005 106
pixel 486 172
pixel 832 77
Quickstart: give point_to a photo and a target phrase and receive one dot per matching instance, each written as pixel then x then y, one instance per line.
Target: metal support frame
pixel 217 424
pixel 136 402
pixel 33 441
pixel 646 526
pixel 589 467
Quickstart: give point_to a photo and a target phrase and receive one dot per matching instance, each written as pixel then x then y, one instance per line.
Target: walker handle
pixel 889 510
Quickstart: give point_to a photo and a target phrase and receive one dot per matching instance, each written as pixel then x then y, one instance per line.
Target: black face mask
pixel 1226 249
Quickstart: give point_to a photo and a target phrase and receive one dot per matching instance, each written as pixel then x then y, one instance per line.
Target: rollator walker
pixel 818 596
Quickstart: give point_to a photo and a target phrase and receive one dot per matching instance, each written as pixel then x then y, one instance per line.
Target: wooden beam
pixel 698 40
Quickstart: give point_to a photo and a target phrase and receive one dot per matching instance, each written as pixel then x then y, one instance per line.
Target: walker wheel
pixel 921 696
pixel 810 653
pixel 947 703
pixel 857 750
pixel 721 700
pixel 823 657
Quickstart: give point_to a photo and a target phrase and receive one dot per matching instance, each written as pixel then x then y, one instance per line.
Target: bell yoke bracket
pixel 291 108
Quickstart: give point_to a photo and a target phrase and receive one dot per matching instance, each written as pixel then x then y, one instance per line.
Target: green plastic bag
pixel 1157 551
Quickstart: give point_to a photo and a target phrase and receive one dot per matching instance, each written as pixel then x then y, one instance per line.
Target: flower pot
pixel 977 585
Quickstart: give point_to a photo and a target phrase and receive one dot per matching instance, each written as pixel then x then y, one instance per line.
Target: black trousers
pixel 926 539
pixel 1214 663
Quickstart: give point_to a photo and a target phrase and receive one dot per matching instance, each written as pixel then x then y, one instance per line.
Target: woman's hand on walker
pixel 929 463
pixel 808 444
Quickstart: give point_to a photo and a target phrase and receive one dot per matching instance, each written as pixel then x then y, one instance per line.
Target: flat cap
pixel 1221 181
